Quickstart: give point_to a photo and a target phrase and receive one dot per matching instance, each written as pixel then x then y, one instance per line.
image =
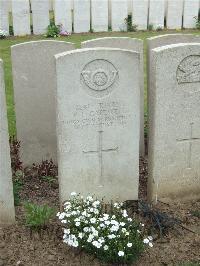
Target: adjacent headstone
pixel 190 14
pixel 21 17
pixel 129 44
pixel 4 19
pixel 174 14
pixel 98 98
pixel 99 10
pixel 119 13
pixel 156 13
pixel 34 91
pixel 7 210
pixel 174 135
pixel 40 15
pixel 63 14
pixel 81 16
pixel 140 13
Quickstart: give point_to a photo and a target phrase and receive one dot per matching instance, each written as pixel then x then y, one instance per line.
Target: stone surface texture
pixel 174 132
pixel 119 12
pixel 174 14
pixel 99 10
pixel 7 210
pixel 156 13
pixel 4 20
pixel 63 14
pixel 40 15
pixel 98 97
pixel 21 17
pixel 191 9
pixel 129 44
pixel 34 93
pixel 81 16
pixel 140 13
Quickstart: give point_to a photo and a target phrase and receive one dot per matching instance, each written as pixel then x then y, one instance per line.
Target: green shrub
pixel 17 186
pixel 53 31
pixel 37 217
pixel 130 26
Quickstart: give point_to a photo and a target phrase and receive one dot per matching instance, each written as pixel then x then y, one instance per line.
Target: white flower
pixel 96 203
pixel 89 198
pixel 123 230
pixel 130 219
pixel 77 223
pixel 114 222
pixel 105 247
pixel 58 214
pixel 142 225
pixel 61 216
pixel 101 240
pixel 111 236
pixel 107 222
pixel 64 221
pixel 113 217
pixel 146 241
pixel 86 229
pixel 150 244
pixel 90 238
pixel 96 244
pixel 114 228
pixel 138 231
pixel 122 223
pixel 121 253
pixel 80 235
pixel 93 220
pixel 150 238
pixel 105 216
pixel 116 204
pixel 129 245
pixel 125 214
pixel 73 194
pixel 96 211
pixel 102 225
pixel 67 231
pixel 127 234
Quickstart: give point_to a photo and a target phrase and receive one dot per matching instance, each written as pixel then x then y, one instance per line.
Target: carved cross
pixel 189 140
pixel 100 150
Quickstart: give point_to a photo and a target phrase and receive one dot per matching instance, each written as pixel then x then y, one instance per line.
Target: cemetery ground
pixel 178 244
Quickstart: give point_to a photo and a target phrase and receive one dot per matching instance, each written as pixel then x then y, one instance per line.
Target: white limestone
pixel 156 13
pixel 40 15
pixel 81 16
pixel 119 12
pixel 129 44
pixel 174 133
pixel 4 20
pixel 99 10
pixel 140 13
pixel 7 210
pixel 63 14
pixel 21 17
pixel 174 14
pixel 191 9
pixel 98 97
pixel 34 91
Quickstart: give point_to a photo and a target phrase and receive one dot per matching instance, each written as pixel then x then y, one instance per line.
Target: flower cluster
pixel 113 236
pixel 3 34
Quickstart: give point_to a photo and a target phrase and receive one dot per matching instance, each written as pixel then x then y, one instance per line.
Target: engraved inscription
pixel 190 141
pixel 99 77
pixel 102 114
pixel 100 150
pixel 189 70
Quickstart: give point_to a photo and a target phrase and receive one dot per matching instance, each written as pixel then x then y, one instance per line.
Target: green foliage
pixel 150 27
pixel 197 22
pixel 130 26
pixel 52 30
pixel 37 217
pixel 196 213
pixel 17 186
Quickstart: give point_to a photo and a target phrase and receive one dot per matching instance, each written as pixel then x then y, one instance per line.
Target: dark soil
pixel 18 246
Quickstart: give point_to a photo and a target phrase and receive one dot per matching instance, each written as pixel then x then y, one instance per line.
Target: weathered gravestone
pixel 34 90
pixel 174 133
pixel 98 101
pixel 7 210
pixel 129 44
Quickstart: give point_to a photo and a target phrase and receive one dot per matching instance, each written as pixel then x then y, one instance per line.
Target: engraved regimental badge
pixel 99 77
pixel 189 70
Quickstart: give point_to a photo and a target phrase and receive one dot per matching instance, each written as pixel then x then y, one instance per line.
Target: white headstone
pixel 174 14
pixel 140 14
pixel 156 13
pixel 174 136
pixel 40 15
pixel 119 12
pixel 4 19
pixel 81 16
pixel 191 10
pixel 129 44
pixel 21 17
pixel 99 10
pixel 98 123
pixel 7 210
pixel 63 14
pixel 34 91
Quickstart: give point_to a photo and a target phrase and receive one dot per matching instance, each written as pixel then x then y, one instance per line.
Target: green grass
pixel 75 38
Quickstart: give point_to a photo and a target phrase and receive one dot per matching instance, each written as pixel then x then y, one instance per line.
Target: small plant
pixel 37 217
pixel 46 169
pixel 105 231
pixel 197 22
pixel 16 163
pixel 3 34
pixel 17 186
pixel 53 31
pixel 130 26
pixel 150 27
pixel 159 28
pixel 196 213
